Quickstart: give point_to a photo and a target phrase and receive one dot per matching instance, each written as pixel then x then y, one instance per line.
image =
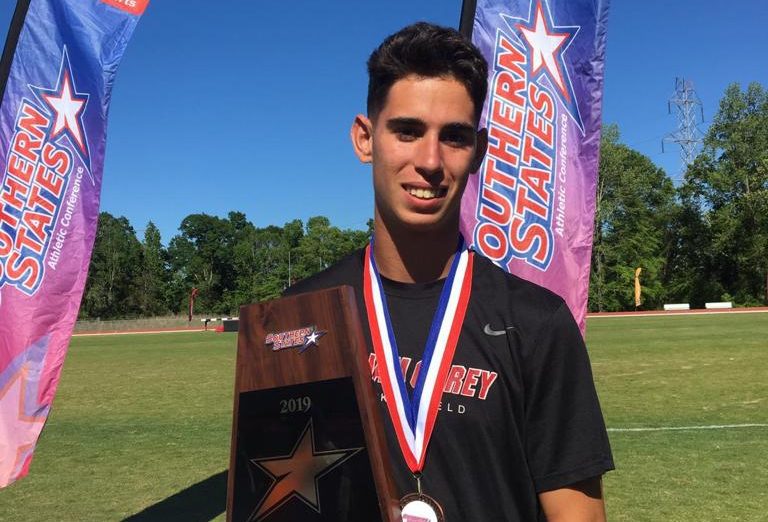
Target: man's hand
pixel 579 502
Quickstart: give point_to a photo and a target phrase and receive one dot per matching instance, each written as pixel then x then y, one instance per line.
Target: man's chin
pixel 429 223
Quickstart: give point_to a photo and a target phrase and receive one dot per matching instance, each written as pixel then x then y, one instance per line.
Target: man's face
pixel 423 145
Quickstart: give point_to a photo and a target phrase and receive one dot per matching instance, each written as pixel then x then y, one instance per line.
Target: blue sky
pixel 244 105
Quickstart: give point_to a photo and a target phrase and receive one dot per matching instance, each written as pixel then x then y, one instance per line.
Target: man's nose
pixel 428 159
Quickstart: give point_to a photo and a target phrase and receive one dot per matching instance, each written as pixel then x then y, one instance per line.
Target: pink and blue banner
pixel 531 206
pixel 61 58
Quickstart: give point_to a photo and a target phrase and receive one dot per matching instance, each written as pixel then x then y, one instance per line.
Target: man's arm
pixel 579 502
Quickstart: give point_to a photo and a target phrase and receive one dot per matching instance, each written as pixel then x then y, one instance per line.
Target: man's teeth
pixel 426 193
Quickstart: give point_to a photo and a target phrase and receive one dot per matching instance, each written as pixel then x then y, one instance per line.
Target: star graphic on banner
pixel 547 44
pixel 544 47
pixel 296 475
pixel 67 109
pixel 67 106
pixel 547 47
pixel 311 338
pixel 18 431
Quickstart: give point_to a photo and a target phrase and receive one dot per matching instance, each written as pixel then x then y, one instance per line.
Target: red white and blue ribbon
pixel 413 418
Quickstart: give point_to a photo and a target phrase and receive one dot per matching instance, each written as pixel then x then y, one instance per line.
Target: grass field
pixel 693 370
pixel 140 427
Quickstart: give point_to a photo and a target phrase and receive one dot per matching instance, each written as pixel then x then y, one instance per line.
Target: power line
pixel 688 109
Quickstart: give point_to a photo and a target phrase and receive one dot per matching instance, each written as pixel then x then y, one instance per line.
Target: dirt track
pixel 681 312
pixel 648 313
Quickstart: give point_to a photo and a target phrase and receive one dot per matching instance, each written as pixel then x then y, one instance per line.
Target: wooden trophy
pixel 307 438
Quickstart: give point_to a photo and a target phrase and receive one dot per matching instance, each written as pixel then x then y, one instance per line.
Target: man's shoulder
pixel 531 308
pixel 346 271
pixel 493 280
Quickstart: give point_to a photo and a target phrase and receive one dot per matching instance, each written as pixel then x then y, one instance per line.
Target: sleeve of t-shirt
pixel 566 438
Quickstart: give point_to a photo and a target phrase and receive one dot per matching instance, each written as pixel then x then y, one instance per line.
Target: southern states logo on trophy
pixel 305 338
pixel 35 211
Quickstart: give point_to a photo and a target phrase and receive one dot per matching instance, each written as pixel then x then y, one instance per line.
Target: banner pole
pixel 17 22
pixel 467 21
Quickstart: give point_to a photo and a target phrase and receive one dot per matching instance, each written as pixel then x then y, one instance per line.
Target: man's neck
pixel 414 257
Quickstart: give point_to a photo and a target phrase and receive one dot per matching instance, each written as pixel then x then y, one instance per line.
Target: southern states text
pixel 30 198
pixel 515 195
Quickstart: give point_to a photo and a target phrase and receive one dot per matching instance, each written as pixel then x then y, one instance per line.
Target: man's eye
pixel 406 134
pixel 456 139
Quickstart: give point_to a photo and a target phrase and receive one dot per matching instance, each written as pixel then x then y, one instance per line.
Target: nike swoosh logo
pixel 489 331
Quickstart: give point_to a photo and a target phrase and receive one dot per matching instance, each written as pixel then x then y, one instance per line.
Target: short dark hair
pixel 430 51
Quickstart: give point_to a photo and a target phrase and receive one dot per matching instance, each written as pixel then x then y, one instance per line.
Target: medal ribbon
pixel 414 418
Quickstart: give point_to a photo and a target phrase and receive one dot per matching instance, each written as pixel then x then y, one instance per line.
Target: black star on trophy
pixel 296 475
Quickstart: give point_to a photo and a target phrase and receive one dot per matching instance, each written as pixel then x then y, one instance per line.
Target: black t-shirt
pixel 519 412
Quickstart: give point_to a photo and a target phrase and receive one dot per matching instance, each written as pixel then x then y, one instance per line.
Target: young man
pixel 487 392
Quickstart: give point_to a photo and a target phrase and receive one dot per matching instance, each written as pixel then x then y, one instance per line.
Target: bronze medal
pixel 418 507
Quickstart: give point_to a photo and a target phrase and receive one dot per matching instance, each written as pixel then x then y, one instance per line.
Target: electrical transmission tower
pixel 690 113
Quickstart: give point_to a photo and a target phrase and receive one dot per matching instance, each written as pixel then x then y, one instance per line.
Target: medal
pixel 413 418
pixel 418 507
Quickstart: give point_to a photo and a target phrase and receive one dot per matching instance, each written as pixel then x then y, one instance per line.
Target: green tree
pixel 728 186
pixel 153 278
pixel 111 289
pixel 260 269
pixel 691 261
pixel 634 205
pixel 201 257
pixel 180 252
pixel 275 259
pixel 229 261
pixel 323 244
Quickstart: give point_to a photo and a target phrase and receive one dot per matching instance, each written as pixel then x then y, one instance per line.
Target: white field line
pixel 685 428
pixel 672 314
pixel 91 334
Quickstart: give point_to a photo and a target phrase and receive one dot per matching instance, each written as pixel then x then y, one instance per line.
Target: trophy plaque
pixel 307 441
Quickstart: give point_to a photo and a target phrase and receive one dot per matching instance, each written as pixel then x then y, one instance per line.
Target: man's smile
pixel 426 192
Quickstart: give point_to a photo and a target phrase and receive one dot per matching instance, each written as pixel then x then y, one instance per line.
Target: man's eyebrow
pixel 458 126
pixel 393 123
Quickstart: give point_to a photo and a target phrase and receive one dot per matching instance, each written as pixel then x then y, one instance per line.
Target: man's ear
pixel 362 138
pixel 482 145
